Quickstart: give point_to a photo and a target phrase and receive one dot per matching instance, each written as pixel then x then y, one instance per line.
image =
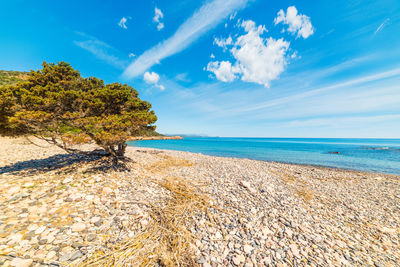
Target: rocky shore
pixel 59 209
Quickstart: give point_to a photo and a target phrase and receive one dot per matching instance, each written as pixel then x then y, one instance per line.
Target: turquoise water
pixel 373 155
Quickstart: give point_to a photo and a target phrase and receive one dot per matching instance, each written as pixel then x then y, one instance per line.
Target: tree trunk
pixel 121 149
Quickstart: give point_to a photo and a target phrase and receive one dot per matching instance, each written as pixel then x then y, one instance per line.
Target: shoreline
pixel 271 161
pixel 63 209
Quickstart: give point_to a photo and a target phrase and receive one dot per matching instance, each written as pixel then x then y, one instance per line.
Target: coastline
pixel 277 162
pixel 278 214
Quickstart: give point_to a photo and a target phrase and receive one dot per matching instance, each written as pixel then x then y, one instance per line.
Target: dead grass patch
pixel 166 240
pixel 300 187
pixel 166 163
pixel 305 193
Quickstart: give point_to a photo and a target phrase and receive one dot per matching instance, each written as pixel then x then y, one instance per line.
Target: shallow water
pixel 373 155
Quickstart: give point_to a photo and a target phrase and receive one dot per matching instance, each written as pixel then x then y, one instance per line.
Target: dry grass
pixel 299 186
pixel 166 240
pixel 166 163
pixel 305 193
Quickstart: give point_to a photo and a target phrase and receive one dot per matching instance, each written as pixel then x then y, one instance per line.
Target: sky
pixel 248 68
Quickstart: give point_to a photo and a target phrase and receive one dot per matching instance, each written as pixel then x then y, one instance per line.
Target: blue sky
pixel 251 68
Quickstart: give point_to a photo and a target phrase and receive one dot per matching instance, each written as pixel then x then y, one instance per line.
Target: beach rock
pixel 76 255
pixel 247 185
pixel 19 262
pixel 107 190
pixel 247 249
pixel 67 180
pixel 238 259
pixel 78 227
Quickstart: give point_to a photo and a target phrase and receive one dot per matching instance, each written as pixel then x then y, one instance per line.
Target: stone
pixel 15 238
pixel 13 190
pixel 91 237
pixel 76 255
pixel 95 219
pixel 294 250
pixel 40 230
pixel 247 249
pixel 51 255
pixel 247 185
pixel 265 231
pixel 238 259
pixel 19 262
pixel 65 256
pixel 107 190
pixel 289 233
pixel 67 180
pixel 218 235
pixel 78 227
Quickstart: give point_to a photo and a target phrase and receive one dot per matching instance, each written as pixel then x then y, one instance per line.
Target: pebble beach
pixel 60 210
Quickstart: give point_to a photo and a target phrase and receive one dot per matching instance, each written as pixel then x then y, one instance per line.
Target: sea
pixel 371 155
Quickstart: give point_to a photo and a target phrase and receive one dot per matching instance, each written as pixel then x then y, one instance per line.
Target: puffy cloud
pixel 153 79
pixel 122 22
pixel 224 71
pixel 298 23
pixel 223 42
pixel 158 15
pixel 259 60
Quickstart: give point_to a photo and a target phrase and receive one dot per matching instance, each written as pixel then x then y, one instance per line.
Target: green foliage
pixel 60 106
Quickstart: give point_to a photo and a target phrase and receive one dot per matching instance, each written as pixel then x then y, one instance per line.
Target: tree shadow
pixel 64 163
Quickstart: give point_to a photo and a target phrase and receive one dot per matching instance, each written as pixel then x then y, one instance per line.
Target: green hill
pixel 11 77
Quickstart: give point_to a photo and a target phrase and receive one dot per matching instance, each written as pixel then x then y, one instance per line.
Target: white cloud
pixel 298 98
pixel 224 71
pixel 212 56
pixel 158 15
pixel 382 26
pixel 232 16
pixel 259 60
pixel 153 79
pixel 101 50
pixel 207 17
pixel 298 23
pixel 223 42
pixel 183 77
pixel 132 55
pixel 122 22
pixel 161 87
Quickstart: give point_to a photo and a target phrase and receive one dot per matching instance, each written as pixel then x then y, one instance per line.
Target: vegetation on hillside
pixel 12 77
pixel 56 104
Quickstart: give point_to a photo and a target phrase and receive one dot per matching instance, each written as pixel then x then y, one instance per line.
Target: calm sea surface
pixel 373 155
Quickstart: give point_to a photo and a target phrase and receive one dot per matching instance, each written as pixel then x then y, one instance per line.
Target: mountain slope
pixel 11 77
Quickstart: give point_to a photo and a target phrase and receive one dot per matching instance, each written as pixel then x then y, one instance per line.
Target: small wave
pixel 382 148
